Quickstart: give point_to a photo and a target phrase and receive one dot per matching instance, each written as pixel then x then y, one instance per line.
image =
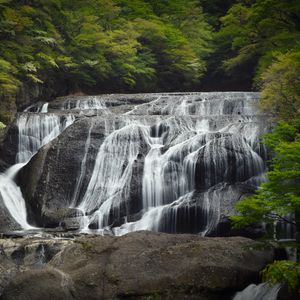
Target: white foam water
pixel 12 196
pixel 263 291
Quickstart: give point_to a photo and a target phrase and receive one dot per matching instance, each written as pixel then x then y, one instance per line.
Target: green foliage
pixel 282 132
pixel 127 42
pixel 2 126
pixel 280 195
pixel 258 32
pixel 262 36
pixel 283 271
pixel 281 86
pixel 105 45
pixel 8 82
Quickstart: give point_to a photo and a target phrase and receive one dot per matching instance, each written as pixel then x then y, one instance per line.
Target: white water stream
pixel 263 291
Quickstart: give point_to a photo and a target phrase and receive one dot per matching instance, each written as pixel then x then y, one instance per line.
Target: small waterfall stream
pixel 263 291
pixel 12 196
pixel 34 131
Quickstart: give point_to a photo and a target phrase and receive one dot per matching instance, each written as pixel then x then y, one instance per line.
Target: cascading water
pixel 197 146
pixel 12 196
pixel 263 291
pixel 167 161
pixel 79 180
pixel 112 172
pixel 34 131
pixel 85 103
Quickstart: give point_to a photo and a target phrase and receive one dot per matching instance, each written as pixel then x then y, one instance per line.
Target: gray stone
pixel 140 265
pixel 48 181
pixel 7 222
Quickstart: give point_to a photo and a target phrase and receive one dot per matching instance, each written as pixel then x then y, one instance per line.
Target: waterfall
pixel 44 108
pixel 263 291
pixel 196 146
pixel 79 180
pixel 85 103
pixel 34 131
pixel 12 196
pixel 168 162
pixel 112 172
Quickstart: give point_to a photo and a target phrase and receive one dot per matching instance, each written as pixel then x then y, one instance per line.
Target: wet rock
pixel 7 222
pixel 64 217
pixel 135 266
pixel 207 212
pixel 225 228
pixel 49 180
pixel 9 147
pixel 226 159
pixel 52 284
pixel 70 224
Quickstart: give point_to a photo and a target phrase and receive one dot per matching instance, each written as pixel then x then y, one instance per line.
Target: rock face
pixel 140 265
pixel 50 179
pixel 9 147
pixel 7 222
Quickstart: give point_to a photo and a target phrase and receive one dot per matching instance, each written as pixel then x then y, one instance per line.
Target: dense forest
pixel 51 48
pixel 58 47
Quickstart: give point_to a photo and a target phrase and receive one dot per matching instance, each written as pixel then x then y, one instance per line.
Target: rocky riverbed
pixel 139 265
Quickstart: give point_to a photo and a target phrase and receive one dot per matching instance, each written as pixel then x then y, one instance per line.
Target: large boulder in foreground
pixel 140 265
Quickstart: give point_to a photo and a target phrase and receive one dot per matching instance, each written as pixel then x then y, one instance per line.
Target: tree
pixel 280 195
pixel 253 33
pixel 281 86
pixel 287 272
pixel 100 46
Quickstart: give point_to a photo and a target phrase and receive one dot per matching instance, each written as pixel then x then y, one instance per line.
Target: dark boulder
pixel 7 222
pixel 9 147
pixel 207 212
pixel 65 217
